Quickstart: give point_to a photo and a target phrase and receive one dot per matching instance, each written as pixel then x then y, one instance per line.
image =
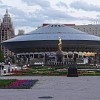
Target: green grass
pixel 56 71
pixel 89 72
pixel 4 82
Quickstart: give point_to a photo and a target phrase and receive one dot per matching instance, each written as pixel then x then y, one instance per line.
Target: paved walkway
pixel 58 87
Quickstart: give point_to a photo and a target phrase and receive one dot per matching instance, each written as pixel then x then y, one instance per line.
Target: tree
pixel 2 59
pixel 13 59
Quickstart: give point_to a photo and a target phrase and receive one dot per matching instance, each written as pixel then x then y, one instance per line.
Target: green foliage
pixel 4 82
pixel 57 71
pixel 13 60
pixel 89 72
pixel 2 59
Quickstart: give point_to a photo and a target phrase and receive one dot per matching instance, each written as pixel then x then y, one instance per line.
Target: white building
pixel 93 29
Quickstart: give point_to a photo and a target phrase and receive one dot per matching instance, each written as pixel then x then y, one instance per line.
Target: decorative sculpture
pixel 60 44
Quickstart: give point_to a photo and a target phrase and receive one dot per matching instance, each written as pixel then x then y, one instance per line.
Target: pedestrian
pixel 9 63
pixel 2 67
pixel 96 65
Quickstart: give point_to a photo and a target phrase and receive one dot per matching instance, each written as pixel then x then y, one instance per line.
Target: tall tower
pixel 6 31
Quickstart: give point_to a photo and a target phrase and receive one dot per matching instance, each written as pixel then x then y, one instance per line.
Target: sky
pixel 29 14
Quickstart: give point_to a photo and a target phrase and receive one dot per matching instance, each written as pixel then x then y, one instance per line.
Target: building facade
pixel 6 31
pixel 21 32
pixel 93 29
pixel 41 45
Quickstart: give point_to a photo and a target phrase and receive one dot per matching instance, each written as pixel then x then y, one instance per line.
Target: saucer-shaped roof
pixel 47 36
pixel 52 31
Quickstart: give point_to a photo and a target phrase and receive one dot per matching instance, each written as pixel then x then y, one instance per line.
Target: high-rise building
pixel 6 31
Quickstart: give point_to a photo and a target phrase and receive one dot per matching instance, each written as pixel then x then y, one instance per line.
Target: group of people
pixel 2 67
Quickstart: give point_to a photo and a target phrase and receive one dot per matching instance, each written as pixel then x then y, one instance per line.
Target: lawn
pixel 55 71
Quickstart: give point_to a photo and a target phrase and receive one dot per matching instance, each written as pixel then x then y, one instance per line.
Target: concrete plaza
pixel 58 87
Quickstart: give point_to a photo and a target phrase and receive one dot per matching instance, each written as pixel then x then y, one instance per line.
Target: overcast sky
pixel 29 14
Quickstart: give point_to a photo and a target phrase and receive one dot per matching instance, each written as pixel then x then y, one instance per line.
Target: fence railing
pixel 67 63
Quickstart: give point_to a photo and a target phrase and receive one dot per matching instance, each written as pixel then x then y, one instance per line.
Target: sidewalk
pixel 57 87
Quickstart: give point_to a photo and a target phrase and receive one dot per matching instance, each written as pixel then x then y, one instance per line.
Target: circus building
pixel 41 45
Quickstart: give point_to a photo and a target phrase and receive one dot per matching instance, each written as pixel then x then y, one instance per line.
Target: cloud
pixel 27 29
pixel 89 19
pixel 17 12
pixel 98 15
pixel 28 22
pixel 38 17
pixel 21 18
pixel 33 13
pixel 4 6
pixel 61 4
pixel 56 14
pixel 42 3
pixel 84 6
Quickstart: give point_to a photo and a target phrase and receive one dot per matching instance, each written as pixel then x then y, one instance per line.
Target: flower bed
pixel 19 84
pixel 5 82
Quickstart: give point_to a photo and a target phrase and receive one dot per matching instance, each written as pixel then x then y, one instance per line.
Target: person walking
pixel 9 63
